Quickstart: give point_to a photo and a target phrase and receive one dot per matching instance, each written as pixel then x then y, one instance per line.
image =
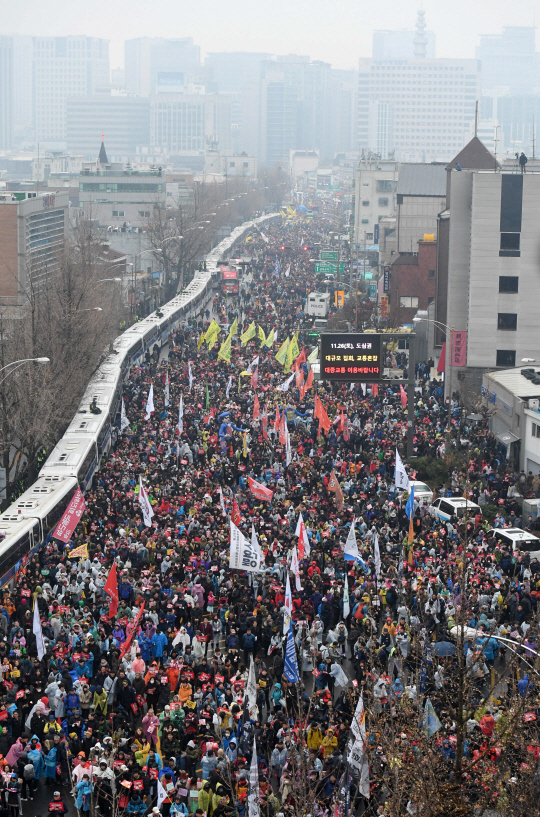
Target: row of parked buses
pixel 29 522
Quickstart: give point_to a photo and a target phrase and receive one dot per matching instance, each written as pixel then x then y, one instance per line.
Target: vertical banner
pixel 71 517
pixel 459 349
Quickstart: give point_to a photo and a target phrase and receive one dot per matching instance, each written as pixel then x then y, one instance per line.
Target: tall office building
pixel 23 96
pixel 158 64
pixel 6 92
pixel 65 67
pixel 186 122
pixel 431 103
pixel 124 121
pixel 510 64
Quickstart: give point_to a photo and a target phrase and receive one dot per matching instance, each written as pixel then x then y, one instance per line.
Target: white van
pixel 445 507
pixel 421 491
pixel 517 539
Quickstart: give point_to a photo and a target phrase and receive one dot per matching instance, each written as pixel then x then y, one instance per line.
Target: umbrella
pixel 442 648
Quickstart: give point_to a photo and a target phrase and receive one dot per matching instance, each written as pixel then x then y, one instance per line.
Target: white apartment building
pixel 375 196
pixel 493 252
pixel 428 106
pixel 65 67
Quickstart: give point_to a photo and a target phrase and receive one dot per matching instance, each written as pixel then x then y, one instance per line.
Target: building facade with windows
pixel 493 251
pixel 33 232
pixel 375 196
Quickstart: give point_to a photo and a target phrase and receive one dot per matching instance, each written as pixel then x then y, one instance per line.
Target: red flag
pixel 402 395
pixel 374 389
pixel 71 517
pixel 256 408
pixel 334 486
pixel 301 547
pixel 299 381
pixel 309 381
pixel 259 490
pixel 127 643
pixel 277 421
pixel 321 415
pixel 442 360
pixel 264 424
pixel 235 516
pixel 111 588
pixel 255 377
pixel 283 428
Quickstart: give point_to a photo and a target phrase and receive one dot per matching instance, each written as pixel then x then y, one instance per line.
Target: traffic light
pixel 339 297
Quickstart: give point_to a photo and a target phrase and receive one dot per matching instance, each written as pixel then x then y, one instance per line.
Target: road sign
pixel 373 291
pixel 328 255
pixel 351 357
pixel 326 268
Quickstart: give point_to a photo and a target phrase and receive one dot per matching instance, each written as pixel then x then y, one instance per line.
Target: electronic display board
pixel 351 356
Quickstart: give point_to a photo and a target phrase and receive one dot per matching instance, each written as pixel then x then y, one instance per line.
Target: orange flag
pixel 256 408
pixel 309 381
pixel 283 429
pixel 334 486
pixel 321 415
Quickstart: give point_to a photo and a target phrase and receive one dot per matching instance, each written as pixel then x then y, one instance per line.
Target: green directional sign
pixel 328 255
pixel 324 268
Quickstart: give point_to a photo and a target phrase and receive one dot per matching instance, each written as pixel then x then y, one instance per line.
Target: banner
pixel 38 632
pixel 260 491
pixel 111 588
pixel 253 801
pixel 210 336
pixel 150 402
pixel 124 422
pixel 190 375
pixel 79 553
pixel 234 328
pixel 295 568
pixel 346 603
pixel 281 354
pixel 127 643
pixel 166 392
pixel 400 474
pixel 459 349
pixel 71 517
pixel 181 415
pixel 291 663
pixel 222 501
pixel 146 507
pixel 304 548
pixel 242 554
pixel 250 694
pixel 287 615
pixel 377 556
pixel 225 349
pixel 250 332
pixel 256 408
pixel 261 334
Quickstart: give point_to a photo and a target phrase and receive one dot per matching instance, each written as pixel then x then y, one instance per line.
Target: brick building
pixel 412 283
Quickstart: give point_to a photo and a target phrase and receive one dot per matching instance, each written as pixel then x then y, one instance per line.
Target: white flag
pixel 253 365
pixel 190 375
pixel 38 632
pixel 358 725
pixel 285 386
pixel 287 271
pixel 124 422
pixel 146 507
pixel 166 392
pixel 150 402
pixel 287 615
pixel 295 567
pixel 377 556
pixel 400 478
pixel 351 548
pixel 161 794
pixel 228 389
pixel 250 695
pixel 346 604
pixel 301 528
pixel 288 452
pixel 242 555
pixel 255 542
pixel 181 415
pixel 357 757
pixel 364 388
pixel 253 795
pixel 222 502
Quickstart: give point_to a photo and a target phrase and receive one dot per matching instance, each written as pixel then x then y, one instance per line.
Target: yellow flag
pixel 281 355
pixel 249 238
pixel 225 350
pixel 245 444
pixel 262 336
pixel 79 553
pixel 270 338
pixel 250 332
pixel 201 340
pixel 314 355
pixel 234 327
pixel 295 351
pixel 211 334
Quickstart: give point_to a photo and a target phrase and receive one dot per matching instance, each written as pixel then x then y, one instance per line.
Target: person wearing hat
pixel 84 789
pixel 56 805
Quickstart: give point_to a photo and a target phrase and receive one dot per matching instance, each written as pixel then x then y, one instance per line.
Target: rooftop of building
pixel 422 180
pixel 474 156
pixel 515 382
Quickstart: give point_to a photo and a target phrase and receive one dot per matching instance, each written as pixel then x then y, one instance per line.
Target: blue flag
pixel 431 723
pixel 409 507
pixel 291 664
pixel 277 268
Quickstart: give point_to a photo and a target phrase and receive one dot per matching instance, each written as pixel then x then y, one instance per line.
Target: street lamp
pixel 18 363
pixel 451 366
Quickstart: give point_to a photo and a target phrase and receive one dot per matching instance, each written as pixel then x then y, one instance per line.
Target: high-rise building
pixel 509 60
pixel 6 92
pixel 187 122
pixel 33 230
pixel 65 67
pixel 124 121
pixel 158 64
pixel 23 94
pixel 431 103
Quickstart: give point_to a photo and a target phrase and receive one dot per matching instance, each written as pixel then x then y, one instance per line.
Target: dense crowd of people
pixel 144 712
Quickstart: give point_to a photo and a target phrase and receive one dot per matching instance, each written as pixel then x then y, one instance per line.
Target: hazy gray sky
pixel 337 31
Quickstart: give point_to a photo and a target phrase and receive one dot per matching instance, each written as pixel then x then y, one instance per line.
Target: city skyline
pixel 458 30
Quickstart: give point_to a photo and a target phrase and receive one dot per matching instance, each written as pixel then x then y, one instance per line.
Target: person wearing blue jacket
pixel 159 644
pixel 84 791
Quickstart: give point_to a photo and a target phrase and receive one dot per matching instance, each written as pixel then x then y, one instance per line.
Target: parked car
pixel 422 492
pixel 517 539
pixel 446 507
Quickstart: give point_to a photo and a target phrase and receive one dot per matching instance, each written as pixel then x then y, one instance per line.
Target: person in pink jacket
pixel 150 724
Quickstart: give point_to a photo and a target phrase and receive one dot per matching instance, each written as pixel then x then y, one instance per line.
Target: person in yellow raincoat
pixel 329 743
pixel 314 737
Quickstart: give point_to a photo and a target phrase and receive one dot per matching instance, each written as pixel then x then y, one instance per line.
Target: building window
pixel 408 302
pixel 506 357
pixel 508 284
pixel 431 273
pixel 232 164
pixel 507 321
pixel 535 430
pixel 365 204
pixel 144 213
pixel 383 202
pixel 510 245
pixel 245 164
pixel 383 185
pixel 118 213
